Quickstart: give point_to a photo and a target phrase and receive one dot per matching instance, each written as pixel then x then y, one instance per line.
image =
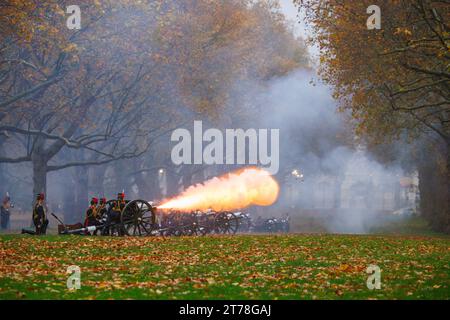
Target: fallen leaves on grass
pixel 256 267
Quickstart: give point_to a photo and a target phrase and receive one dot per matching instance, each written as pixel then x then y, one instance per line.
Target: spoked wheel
pixel 227 222
pixel 100 220
pixel 137 218
pixel 192 226
pixel 215 222
pixel 201 229
pixel 205 224
pixel 115 230
pixel 174 232
pixel 167 223
pixel 245 224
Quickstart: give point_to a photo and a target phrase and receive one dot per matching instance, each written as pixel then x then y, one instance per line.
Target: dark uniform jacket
pixel 39 218
pixel 4 217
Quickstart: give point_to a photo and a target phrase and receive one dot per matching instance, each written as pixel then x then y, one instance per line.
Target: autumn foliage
pixel 226 267
pixel 393 81
pixel 133 72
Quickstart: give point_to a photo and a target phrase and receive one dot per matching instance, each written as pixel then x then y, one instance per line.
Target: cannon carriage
pixel 179 223
pixel 142 218
pixel 130 218
pixel 272 225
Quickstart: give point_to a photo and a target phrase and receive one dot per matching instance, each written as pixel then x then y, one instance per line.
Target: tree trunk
pixel 122 177
pixel 97 175
pixel 187 173
pixel 434 187
pixel 39 175
pixel 154 189
pixel 39 162
pixel 397 196
pixel 81 192
pixel 69 200
pixel 3 181
pixel 446 181
pixel 142 185
pixel 172 183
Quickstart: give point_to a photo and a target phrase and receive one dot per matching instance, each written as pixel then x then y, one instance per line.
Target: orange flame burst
pixel 235 190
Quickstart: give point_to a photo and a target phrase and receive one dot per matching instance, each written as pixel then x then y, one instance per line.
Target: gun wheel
pixel 227 223
pixel 137 218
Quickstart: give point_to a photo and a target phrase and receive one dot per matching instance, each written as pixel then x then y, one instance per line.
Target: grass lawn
pixel 225 267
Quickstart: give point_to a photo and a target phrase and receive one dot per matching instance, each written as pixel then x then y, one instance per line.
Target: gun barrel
pixel 81 230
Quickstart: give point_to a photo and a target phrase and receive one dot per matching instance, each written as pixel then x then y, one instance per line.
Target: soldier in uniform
pixel 121 200
pixel 4 214
pixel 92 215
pixel 101 209
pixel 113 215
pixel 39 215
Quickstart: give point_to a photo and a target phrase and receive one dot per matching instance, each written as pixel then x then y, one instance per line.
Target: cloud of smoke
pixel 343 185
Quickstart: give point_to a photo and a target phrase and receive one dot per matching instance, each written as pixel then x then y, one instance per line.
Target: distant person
pixel 40 220
pixel 5 213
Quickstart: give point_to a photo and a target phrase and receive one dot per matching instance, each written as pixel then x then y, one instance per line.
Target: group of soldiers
pixel 96 214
